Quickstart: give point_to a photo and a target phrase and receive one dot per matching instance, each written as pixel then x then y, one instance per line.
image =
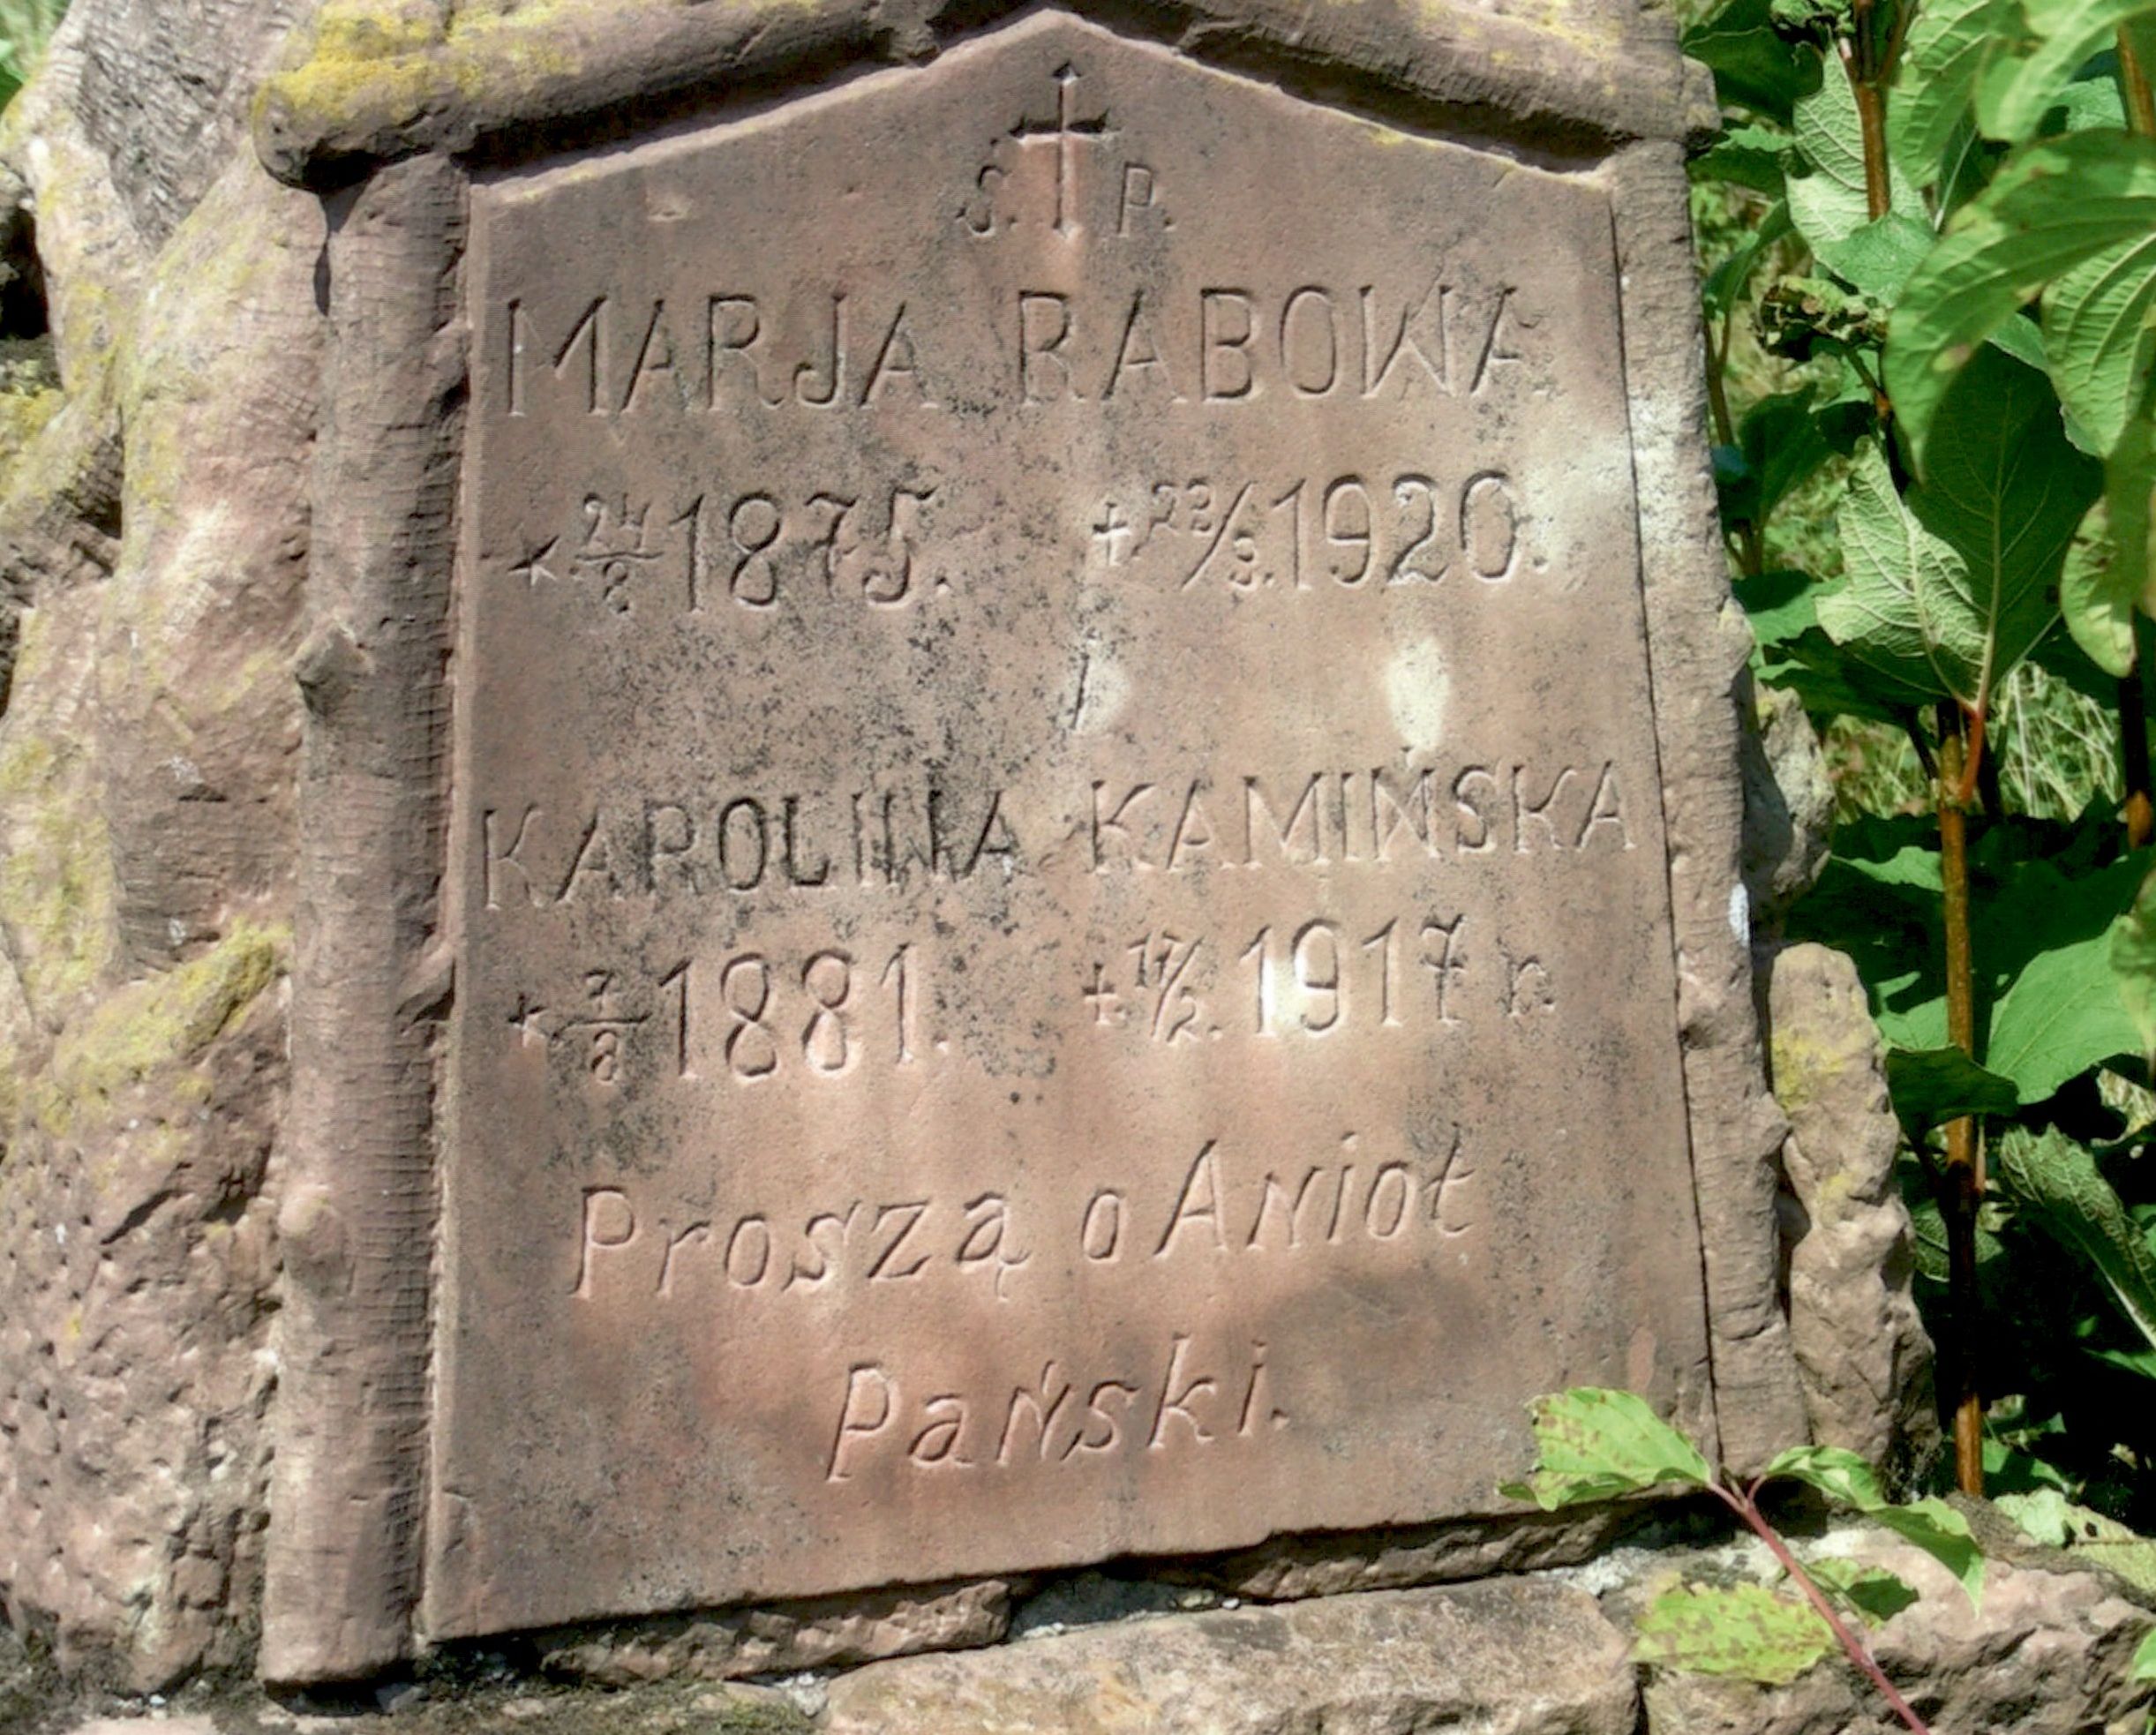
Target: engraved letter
pixel 1044 328
pixel 756 835
pixel 1138 187
pixel 736 328
pixel 1199 1202
pixel 1105 821
pixel 1173 1403
pixel 1044 1417
pixel 834 380
pixel 1524 810
pixel 870 1403
pixel 1255 805
pixel 1309 351
pixel 1377 372
pixel 500 858
pixel 1607 808
pixel 671 848
pixel 654 357
pixel 1225 329
pixel 938 1442
pixel 1138 351
pixel 1472 811
pixel 609 1221
pixel 896 357
pixel 1101 1235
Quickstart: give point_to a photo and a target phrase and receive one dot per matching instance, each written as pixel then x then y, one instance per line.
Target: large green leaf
pixel 1948 590
pixel 2099 329
pixel 1948 45
pixel 2056 1183
pixel 2052 207
pixel 1741 1630
pixel 2133 959
pixel 2098 590
pixel 1828 204
pixel 2129 509
pixel 1880 258
pixel 1930 1087
pixel 1594 1444
pixel 2143 1667
pixel 1943 1533
pixel 1834 1471
pixel 1749 156
pixel 2026 76
pixel 1902 612
pixel 1755 66
pixel 2063 1015
pixel 1726 284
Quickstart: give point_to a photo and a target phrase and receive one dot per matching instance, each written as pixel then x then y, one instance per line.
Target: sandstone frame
pixel 388 122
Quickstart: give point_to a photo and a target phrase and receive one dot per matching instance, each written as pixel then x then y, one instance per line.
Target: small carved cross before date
pixel 1319 980
pixel 1352 532
pixel 752 550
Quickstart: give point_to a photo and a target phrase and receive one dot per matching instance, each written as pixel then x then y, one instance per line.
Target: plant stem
pixel 1860 61
pixel 1965 1179
pixel 2134 750
pixel 2134 88
pixel 1858 1652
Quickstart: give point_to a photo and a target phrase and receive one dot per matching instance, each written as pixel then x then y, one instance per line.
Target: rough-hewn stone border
pixel 357 1222
pixel 1696 646
pixel 386 102
pixel 379 84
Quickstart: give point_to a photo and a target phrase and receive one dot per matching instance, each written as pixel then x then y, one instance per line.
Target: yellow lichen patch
pixel 23 416
pixel 160 1025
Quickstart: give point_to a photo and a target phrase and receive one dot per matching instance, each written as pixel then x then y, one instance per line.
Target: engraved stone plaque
pixel 1056 847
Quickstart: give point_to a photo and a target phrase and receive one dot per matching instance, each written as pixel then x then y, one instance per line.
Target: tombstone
pixel 1019 838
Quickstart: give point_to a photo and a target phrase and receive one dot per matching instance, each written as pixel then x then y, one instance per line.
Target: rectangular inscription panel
pixel 1058 867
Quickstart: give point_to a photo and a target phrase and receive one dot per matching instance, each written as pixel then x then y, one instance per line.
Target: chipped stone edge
pixel 371 86
pixel 1697 646
pixel 357 1222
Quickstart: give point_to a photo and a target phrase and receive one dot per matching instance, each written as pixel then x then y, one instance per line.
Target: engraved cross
pixel 1065 136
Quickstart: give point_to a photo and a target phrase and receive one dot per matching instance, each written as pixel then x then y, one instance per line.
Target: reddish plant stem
pixel 1964 1175
pixel 1866 83
pixel 1858 1652
pixel 2134 754
pixel 2134 86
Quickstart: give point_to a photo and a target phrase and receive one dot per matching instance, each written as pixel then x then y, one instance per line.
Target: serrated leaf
pixel 1943 1533
pixel 1949 589
pixel 1948 45
pixel 1930 1087
pixel 2052 207
pixel 2099 336
pixel 1839 1474
pixel 2056 1183
pixel 2020 85
pixel 1873 1591
pixel 2097 594
pixel 1828 203
pixel 1741 1630
pixel 1596 1444
pixel 1755 67
pixel 1902 613
pixel 1880 258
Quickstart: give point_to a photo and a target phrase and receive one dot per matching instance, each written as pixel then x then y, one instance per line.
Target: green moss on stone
pixel 162 1024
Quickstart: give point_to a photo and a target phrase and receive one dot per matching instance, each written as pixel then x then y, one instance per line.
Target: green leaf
pixel 2063 1013
pixel 1777 604
pixel 1943 1533
pixel 1755 67
pixel 1783 448
pixel 2129 508
pixel 1830 204
pixel 2099 335
pixel 1880 258
pixel 2048 1517
pixel 2143 1668
pixel 2024 81
pixel 1839 1474
pixel 2052 207
pixel 2055 1182
pixel 1594 1444
pixel 1873 1591
pixel 1947 590
pixel 1742 1630
pixel 1902 613
pixel 1930 1087
pixel 1948 45
pixel 2097 594
pixel 1724 285
pixel 2041 1515
pixel 2133 959
pixel 1746 157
